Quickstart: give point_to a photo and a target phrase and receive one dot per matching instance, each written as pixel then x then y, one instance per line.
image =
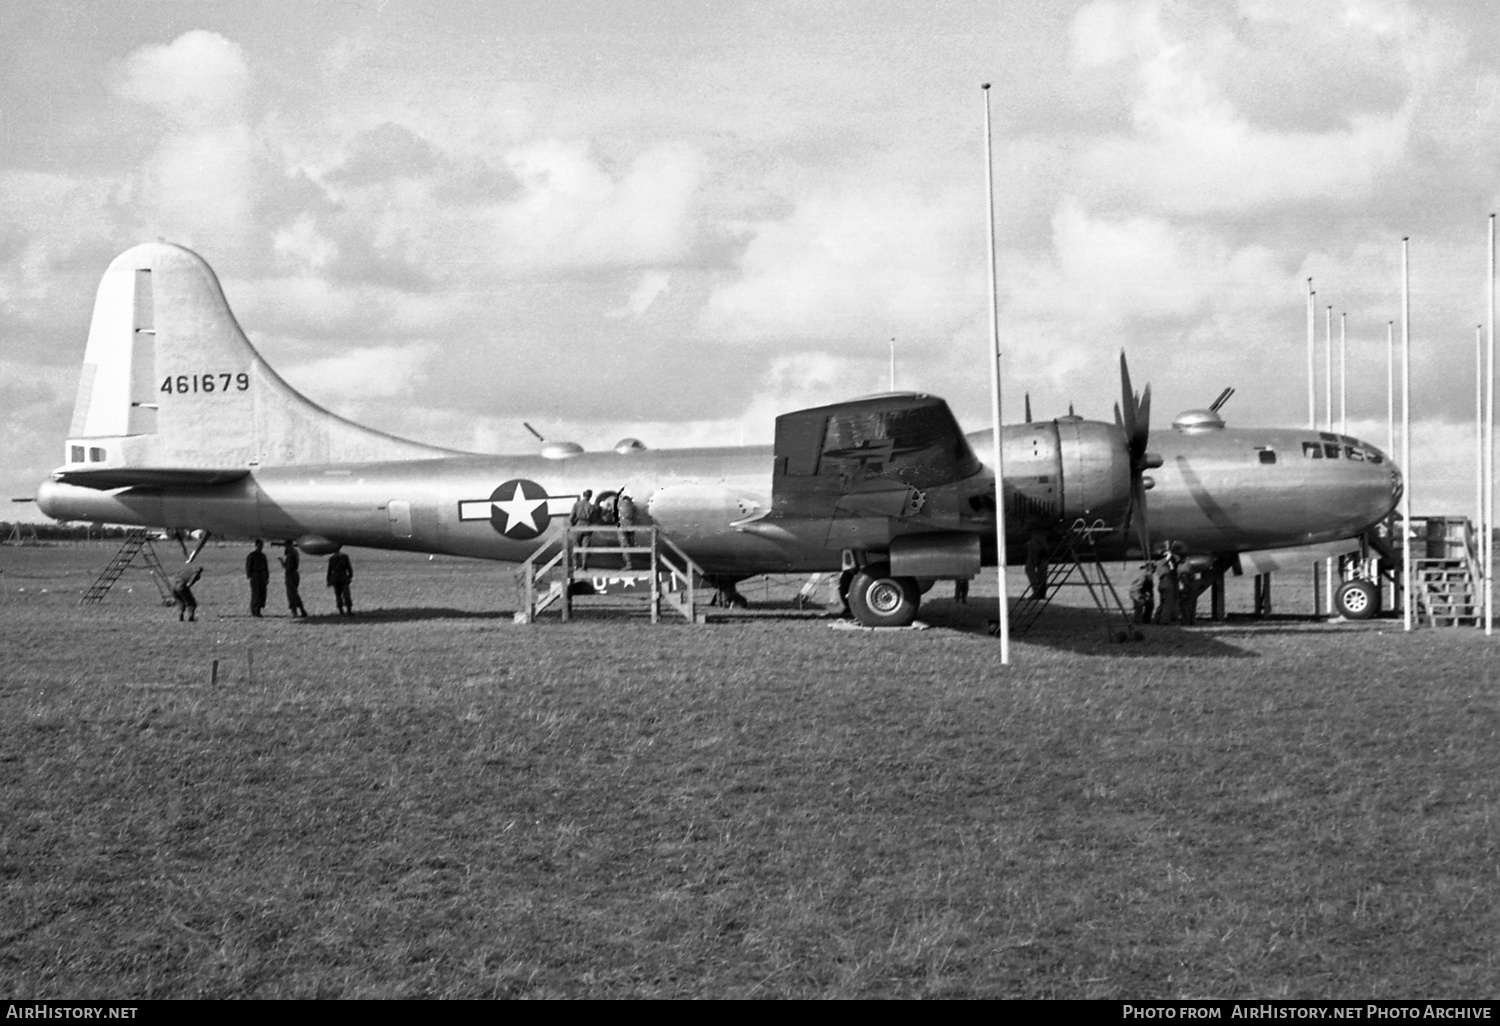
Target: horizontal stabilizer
pixel 144 477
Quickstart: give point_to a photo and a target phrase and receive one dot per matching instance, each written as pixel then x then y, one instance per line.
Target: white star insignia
pixel 519 509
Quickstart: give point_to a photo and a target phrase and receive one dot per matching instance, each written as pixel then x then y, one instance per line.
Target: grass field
pixel 428 800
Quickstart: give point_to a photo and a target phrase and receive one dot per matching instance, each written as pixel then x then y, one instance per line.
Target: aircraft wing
pixel 108 478
pixel 874 457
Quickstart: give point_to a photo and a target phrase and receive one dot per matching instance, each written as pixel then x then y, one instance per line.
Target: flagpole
pixel 1312 414
pixel 1488 526
pixel 1328 421
pixel 1406 600
pixel 989 194
pixel 1343 375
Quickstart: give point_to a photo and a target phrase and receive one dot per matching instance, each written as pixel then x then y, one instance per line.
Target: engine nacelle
pixel 1065 470
pixel 946 555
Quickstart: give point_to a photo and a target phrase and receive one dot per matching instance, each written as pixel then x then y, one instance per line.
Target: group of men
pixel 258 573
pixel 617 511
pixel 1166 591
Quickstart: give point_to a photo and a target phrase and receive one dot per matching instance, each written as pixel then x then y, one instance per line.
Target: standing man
pixel 1036 564
pixel 340 576
pixel 625 517
pixel 583 513
pixel 258 571
pixel 1168 605
pixel 1143 593
pixel 290 563
pixel 1187 595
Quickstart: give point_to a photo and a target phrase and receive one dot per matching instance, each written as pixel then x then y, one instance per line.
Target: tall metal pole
pixel 989 194
pixel 1390 389
pixel 1488 527
pixel 1328 421
pixel 1312 414
pixel 1406 580
pixel 893 364
pixel 1479 435
pixel 1343 375
pixel 1328 368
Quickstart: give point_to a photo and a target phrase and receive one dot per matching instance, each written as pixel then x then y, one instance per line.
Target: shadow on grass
pixel 383 615
pixel 1086 632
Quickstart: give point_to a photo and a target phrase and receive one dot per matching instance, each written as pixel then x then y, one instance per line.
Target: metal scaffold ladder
pixel 1074 562
pixel 137 543
pixel 556 573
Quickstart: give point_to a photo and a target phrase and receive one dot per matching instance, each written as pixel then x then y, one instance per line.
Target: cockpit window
pixel 1331 449
pixel 1374 456
pixel 1266 455
pixel 1353 453
pixel 1312 450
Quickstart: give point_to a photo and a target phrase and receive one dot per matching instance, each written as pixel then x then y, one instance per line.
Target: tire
pixel 879 600
pixel 1357 600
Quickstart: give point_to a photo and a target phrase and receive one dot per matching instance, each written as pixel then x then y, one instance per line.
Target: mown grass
pixel 428 800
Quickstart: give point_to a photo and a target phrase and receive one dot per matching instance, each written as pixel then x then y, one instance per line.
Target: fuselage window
pixel 1312 450
pixel 96 455
pixel 75 454
pixel 1332 450
pixel 1266 455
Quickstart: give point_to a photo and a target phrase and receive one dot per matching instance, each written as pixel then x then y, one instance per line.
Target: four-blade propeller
pixel 1136 424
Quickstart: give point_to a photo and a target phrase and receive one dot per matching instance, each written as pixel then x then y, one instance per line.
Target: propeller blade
pixel 1127 397
pixel 1138 501
pixel 1142 425
pixel 1136 423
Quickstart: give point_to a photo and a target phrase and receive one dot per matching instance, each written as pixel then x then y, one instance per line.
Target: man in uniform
pixel 182 594
pixel 583 513
pixel 258 571
pixel 1168 605
pixel 1036 564
pixel 290 563
pixel 625 520
pixel 1143 593
pixel 340 576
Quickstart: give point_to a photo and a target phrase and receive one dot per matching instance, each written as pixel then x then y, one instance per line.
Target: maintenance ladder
pixel 552 575
pixel 1446 571
pixel 137 542
pixel 1075 562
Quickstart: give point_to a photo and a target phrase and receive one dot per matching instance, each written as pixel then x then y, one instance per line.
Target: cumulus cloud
pixel 572 211
pixel 200 80
pixel 362 375
pixel 857 262
pixel 1192 149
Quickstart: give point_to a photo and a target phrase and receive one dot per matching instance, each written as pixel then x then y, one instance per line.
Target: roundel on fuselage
pixel 519 509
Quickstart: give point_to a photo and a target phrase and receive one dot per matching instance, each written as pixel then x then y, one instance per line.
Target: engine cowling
pixel 1065 470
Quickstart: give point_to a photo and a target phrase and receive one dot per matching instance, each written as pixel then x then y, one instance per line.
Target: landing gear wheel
pixel 880 600
pixel 1357 600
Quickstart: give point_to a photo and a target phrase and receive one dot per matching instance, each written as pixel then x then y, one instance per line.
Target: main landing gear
pixel 878 599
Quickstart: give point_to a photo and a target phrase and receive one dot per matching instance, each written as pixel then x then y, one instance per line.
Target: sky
pixel 676 219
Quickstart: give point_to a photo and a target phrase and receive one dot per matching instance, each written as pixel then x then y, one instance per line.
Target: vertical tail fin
pixel 171 382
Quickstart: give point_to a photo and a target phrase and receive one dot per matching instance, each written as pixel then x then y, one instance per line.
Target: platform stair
pixel 1446 576
pixel 1074 562
pixel 137 546
pixel 650 565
